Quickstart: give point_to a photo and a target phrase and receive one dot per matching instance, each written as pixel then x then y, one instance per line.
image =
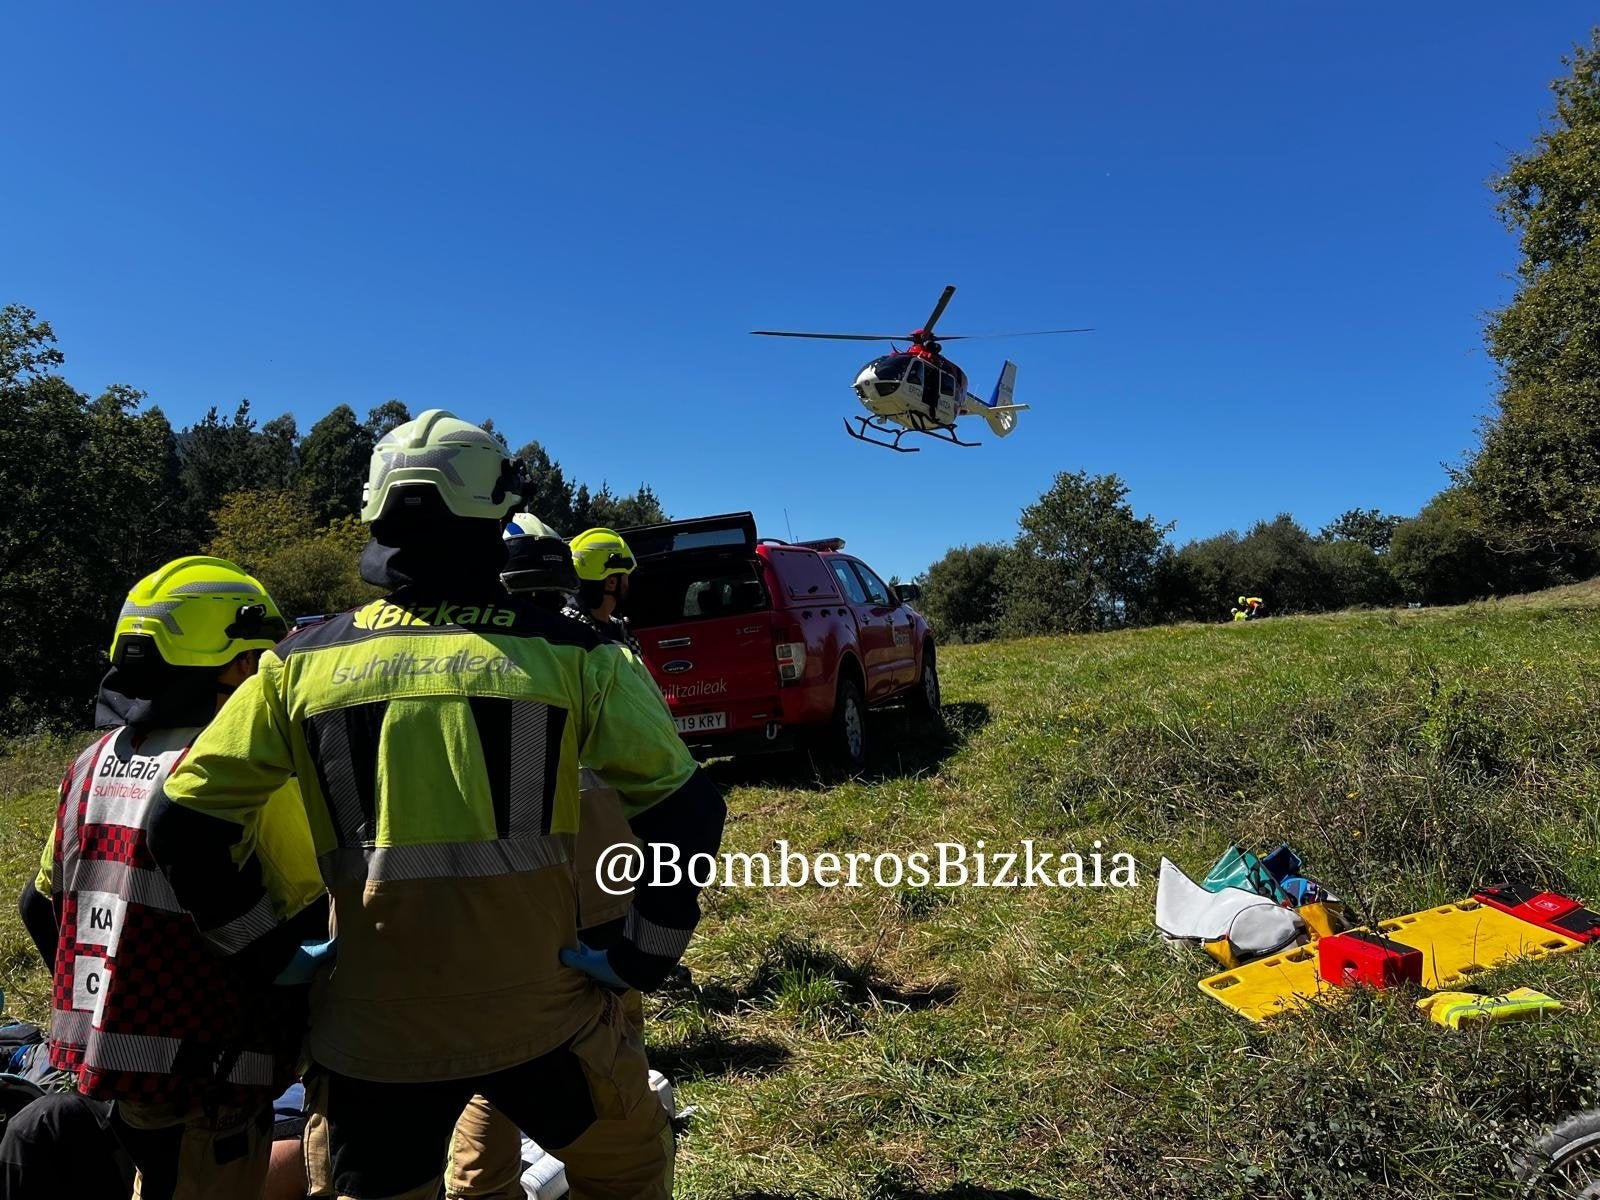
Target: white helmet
pixel 525 524
pixel 468 467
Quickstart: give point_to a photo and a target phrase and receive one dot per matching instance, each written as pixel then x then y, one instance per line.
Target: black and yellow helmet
pixel 538 559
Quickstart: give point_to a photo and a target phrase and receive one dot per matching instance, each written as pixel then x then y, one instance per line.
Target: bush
pixel 320 574
pixel 1443 555
pixel 1354 575
pixel 962 594
pixel 1084 560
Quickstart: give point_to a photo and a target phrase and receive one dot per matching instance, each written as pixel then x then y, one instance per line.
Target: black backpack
pixel 16 1093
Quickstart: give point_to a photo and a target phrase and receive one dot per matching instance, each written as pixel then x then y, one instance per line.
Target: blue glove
pixel 594 963
pixel 305 962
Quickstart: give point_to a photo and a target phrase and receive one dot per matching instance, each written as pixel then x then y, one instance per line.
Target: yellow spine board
pixel 1460 940
pixel 1278 983
pixel 1457 941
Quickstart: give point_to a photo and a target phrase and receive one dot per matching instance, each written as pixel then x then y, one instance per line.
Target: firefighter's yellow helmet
pixel 601 553
pixel 196 611
pixel 467 466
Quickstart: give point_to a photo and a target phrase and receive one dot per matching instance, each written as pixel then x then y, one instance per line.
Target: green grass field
pixel 926 1042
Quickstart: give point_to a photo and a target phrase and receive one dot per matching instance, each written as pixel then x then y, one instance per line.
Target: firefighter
pixel 604 564
pixel 189 1048
pixel 485 1160
pixel 436 734
pixel 540 567
pixel 485 1148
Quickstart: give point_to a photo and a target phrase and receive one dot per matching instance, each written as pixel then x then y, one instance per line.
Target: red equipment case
pixel 1548 910
pixel 1361 957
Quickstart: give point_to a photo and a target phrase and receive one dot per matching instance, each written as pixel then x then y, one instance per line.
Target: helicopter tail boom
pixel 998 412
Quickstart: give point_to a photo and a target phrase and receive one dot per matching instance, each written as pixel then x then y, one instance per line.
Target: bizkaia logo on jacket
pixel 382 614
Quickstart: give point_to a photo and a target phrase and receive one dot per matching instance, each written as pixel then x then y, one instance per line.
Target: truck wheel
pixel 846 739
pixel 925 698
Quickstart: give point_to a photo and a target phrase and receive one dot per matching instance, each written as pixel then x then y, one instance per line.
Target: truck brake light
pixel 791 654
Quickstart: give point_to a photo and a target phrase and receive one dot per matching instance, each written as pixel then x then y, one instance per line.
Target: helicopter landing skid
pixel 897 432
pixel 861 436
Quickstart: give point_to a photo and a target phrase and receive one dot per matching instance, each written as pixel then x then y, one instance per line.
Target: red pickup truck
pixel 763 644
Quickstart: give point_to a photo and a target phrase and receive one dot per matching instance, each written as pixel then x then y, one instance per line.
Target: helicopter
pixel 919 390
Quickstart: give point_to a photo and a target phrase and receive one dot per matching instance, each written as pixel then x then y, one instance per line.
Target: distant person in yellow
pixel 1251 607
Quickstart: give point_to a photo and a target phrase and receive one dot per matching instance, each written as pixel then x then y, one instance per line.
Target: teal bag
pixel 1240 869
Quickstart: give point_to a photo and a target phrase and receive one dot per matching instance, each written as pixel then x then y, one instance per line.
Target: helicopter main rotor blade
pixel 938 309
pixel 969 337
pixel 835 337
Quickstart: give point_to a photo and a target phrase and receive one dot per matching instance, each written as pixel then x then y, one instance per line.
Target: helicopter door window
pixel 947 384
pixel 914 374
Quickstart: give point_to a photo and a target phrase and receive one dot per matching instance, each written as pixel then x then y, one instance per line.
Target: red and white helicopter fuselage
pixel 921 390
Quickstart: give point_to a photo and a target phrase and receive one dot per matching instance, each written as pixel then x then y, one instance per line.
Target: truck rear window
pixel 670 593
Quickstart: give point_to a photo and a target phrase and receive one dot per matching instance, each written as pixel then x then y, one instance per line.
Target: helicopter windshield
pixel 890 366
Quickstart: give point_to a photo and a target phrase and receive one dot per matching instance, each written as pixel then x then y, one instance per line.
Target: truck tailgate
pixel 717 673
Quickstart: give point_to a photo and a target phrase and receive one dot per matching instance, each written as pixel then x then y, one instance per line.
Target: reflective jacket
pixel 618 632
pixel 143 1011
pixel 613 629
pixel 437 746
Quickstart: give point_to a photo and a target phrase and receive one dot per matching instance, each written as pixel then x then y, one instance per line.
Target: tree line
pixel 101 490
pixel 1522 511
pixel 1085 562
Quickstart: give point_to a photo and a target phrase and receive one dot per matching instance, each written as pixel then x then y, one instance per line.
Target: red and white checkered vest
pixel 143 1009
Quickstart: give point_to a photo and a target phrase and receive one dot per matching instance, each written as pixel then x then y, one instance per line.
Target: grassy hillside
pixel 925 1042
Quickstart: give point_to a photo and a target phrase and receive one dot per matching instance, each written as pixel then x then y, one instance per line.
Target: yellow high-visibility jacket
pixel 437 748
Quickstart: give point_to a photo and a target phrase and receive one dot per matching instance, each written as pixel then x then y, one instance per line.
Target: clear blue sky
pixel 567 217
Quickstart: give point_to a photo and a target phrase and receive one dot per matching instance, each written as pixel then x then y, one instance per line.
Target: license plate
pixel 701 722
